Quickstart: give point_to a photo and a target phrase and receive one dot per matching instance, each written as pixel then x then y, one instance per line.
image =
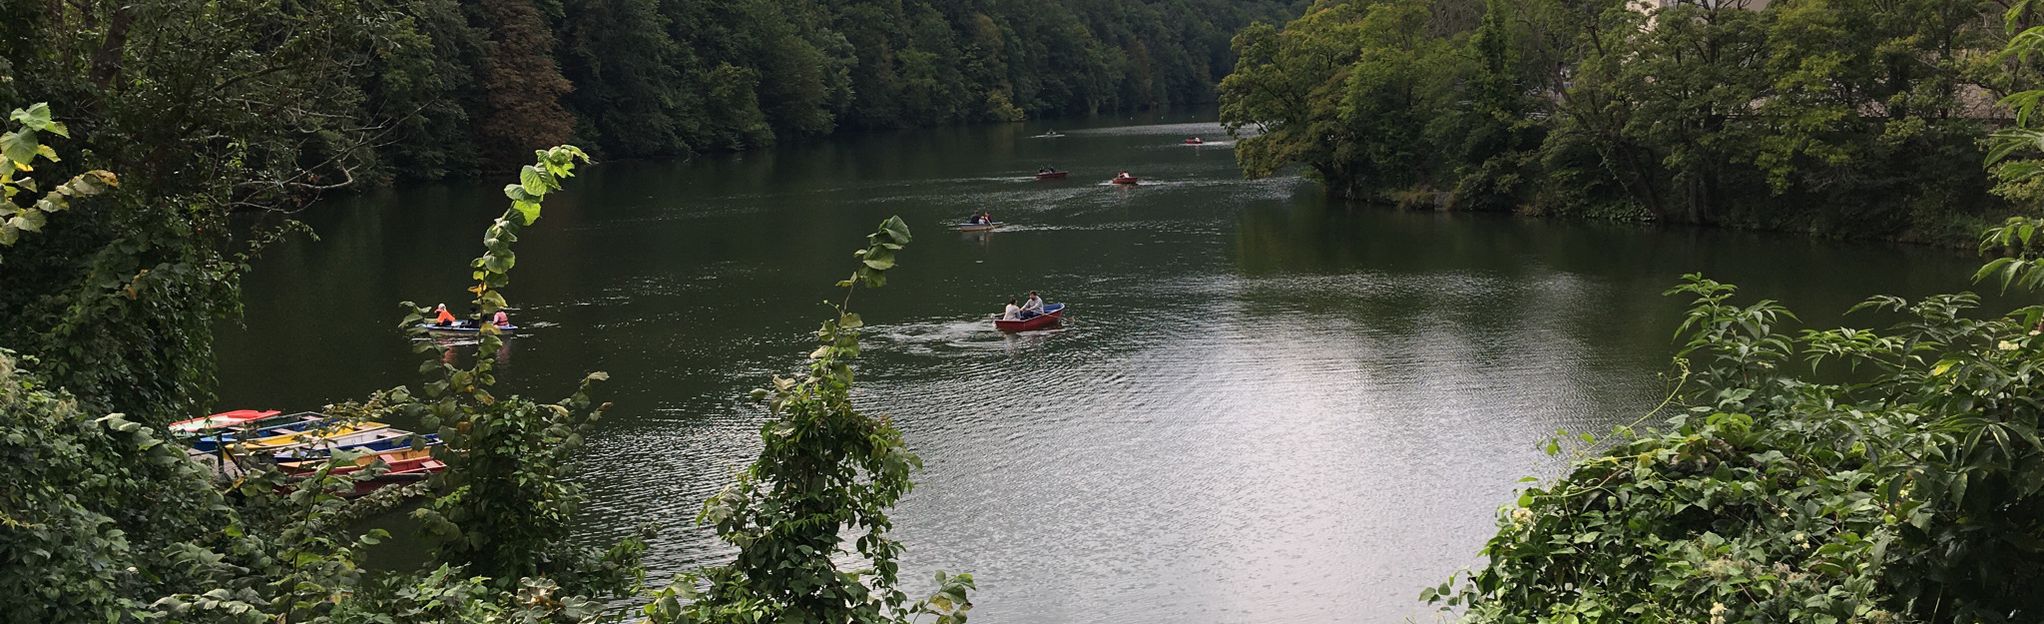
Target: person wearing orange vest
pixel 442 317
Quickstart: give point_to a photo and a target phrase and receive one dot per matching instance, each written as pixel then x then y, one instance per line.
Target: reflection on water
pixel 1263 407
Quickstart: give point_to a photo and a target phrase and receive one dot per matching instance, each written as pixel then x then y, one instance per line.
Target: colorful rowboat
pixel 301 421
pixel 397 440
pixel 1195 141
pixel 346 434
pixel 1052 175
pixel 1052 314
pixel 1126 180
pixel 405 466
pixel 223 420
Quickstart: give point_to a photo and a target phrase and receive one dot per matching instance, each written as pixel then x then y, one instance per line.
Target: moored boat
pixel 1052 314
pixel 223 420
pixel 404 466
pixel 337 436
pixel 396 439
pixel 210 441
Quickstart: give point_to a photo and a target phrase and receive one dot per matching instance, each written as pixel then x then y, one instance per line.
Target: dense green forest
pixel 1834 117
pixel 431 88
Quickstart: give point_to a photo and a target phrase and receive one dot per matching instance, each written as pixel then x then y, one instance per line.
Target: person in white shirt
pixel 1012 313
pixel 1034 305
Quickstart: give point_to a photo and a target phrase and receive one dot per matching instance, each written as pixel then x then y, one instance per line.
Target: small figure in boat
pixel 1034 305
pixel 1044 170
pixel 1012 313
pixel 475 318
pixel 442 317
pixel 501 319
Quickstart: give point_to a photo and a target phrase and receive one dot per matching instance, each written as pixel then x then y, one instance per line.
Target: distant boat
pixel 1048 135
pixel 1126 179
pixel 464 329
pixel 1195 141
pixel 1052 175
pixel 1052 314
pixel 978 227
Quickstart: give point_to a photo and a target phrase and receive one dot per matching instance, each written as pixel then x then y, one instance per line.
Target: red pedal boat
pixel 1052 314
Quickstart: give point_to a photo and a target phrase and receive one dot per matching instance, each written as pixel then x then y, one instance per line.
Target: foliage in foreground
pixel 1839 475
pixel 101 519
pixel 826 469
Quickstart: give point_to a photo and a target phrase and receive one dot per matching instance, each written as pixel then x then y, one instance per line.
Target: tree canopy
pixel 1828 116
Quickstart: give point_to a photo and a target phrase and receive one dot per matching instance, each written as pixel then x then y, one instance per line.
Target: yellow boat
pixel 337 436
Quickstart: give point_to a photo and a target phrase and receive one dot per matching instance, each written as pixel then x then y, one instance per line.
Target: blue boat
pixel 297 422
pixel 399 442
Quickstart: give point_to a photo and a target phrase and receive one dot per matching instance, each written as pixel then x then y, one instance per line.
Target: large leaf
pixel 20 147
pixel 527 210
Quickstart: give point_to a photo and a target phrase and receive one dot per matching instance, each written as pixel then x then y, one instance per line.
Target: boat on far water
pixel 1126 180
pixel 1048 135
pixel 1052 314
pixel 1195 141
pixel 978 227
pixel 1052 175
pixel 465 329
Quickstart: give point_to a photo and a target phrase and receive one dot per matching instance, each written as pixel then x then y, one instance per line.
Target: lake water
pixel 1265 407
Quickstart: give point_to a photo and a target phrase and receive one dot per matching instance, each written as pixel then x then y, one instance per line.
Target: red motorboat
pixel 1052 314
pixel 1195 141
pixel 1126 179
pixel 1052 175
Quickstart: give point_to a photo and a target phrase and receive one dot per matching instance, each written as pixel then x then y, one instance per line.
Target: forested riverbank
pixel 1833 118
pixel 421 89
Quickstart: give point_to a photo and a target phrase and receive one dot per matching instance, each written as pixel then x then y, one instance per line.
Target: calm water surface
pixel 1265 408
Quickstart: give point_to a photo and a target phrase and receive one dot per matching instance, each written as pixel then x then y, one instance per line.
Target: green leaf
pixel 19 147
pixel 528 211
pixel 28 221
pixel 533 181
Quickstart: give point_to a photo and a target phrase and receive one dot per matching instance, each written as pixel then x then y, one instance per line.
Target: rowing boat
pixel 1052 175
pixel 301 421
pixel 464 329
pixel 978 227
pixel 1052 314
pixel 337 436
pixel 223 420
pixel 397 439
